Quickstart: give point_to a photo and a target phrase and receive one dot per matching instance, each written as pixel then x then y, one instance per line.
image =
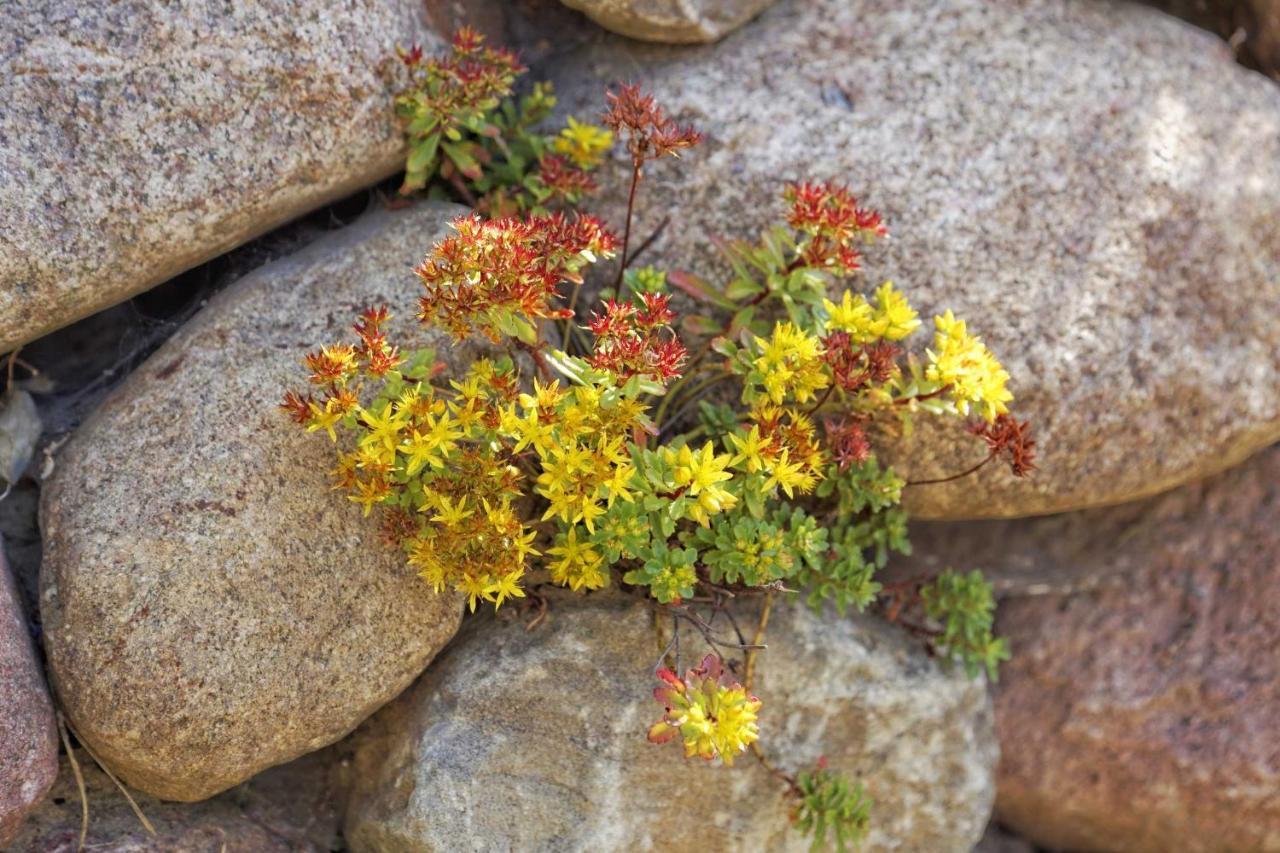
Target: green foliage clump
pixel 963 603
pixel 833 810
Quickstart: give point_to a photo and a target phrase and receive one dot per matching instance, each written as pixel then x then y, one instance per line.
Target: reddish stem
pixel 964 473
pixel 626 233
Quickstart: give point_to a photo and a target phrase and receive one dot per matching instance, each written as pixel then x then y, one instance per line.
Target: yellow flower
pixel 790 363
pixel 447 513
pixel 384 427
pixel 507 586
pixel 544 396
pixel 852 315
pixel 584 144
pixel 712 718
pixel 790 476
pixel 473 586
pixel 962 362
pixel 579 565
pixel 528 431
pixel 894 318
pixel 701 472
pixel 324 419
pixel 749 448
pixel 369 492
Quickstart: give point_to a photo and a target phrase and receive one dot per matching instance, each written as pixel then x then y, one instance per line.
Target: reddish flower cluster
pixel 473 75
pixel 297 407
pixel 828 212
pixel 854 366
pixel 629 343
pixel 651 133
pixel 1006 436
pixel 564 180
pixel 506 265
pixel 378 355
pixel 848 442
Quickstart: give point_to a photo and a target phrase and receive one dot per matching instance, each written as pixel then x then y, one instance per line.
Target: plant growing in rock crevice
pixel 614 464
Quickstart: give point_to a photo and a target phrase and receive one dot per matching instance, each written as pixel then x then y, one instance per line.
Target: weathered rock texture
pixel 1140 709
pixel 1095 186
pixel 211 607
pixel 671 21
pixel 289 809
pixel 536 741
pixel 28 740
pixel 138 140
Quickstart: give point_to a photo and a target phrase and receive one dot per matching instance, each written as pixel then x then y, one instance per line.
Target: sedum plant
pixel 726 455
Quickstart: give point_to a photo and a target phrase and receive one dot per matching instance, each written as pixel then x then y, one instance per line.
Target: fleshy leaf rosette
pixel 715 717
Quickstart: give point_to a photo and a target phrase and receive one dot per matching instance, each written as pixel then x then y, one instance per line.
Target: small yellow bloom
pixel 579 564
pixel 963 363
pixel 895 319
pixel 584 144
pixel 790 363
pixel 507 586
pixel 324 419
pixel 369 492
pixel 852 315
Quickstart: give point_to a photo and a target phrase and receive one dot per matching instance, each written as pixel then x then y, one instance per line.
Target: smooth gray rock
pixel 1095 186
pixel 211 607
pixel 536 741
pixel 138 139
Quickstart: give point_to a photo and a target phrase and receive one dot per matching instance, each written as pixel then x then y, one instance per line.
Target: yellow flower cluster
pixel 580 439
pixel 782 443
pixel 700 474
pixel 891 318
pixel 584 144
pixel 790 364
pixel 420 452
pixel 713 718
pixel 962 362
pixel 578 565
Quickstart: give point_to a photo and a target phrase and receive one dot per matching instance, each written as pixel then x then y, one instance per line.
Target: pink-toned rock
pixel 28 740
pixel 1141 709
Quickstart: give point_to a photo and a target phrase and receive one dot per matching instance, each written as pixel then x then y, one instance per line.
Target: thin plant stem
pixel 79 776
pixel 765 610
pixel 626 233
pixel 964 473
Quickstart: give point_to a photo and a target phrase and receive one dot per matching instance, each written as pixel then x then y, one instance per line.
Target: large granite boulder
pixel 211 607
pixel 28 739
pixel 536 741
pixel 1095 186
pixel 1140 709
pixel 140 139
pixel 671 21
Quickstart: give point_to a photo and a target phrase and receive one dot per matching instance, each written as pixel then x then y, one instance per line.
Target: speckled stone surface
pixel 671 21
pixel 1095 186
pixel 550 725
pixel 211 607
pixel 28 740
pixel 140 139
pixel 1140 709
